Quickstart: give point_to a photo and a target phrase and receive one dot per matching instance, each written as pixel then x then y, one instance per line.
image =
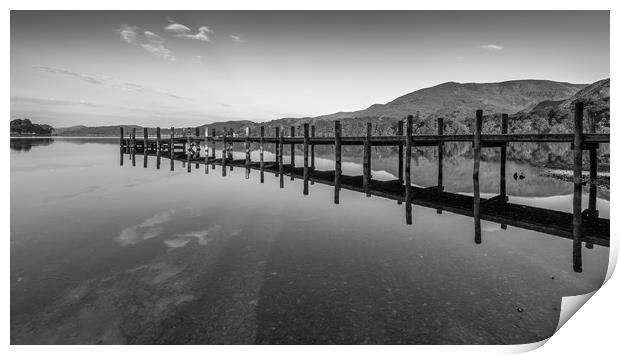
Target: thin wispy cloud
pixel 52 102
pixel 147 40
pixel 182 31
pixel 492 47
pixel 236 39
pixel 107 81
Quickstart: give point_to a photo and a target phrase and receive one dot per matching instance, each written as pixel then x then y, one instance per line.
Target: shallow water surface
pixel 103 253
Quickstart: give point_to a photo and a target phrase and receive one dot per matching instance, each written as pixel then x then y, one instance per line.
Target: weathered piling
pixel 188 152
pixel 306 152
pixel 280 158
pixel 408 190
pixel 262 152
pixel 122 140
pixel 592 212
pixel 476 175
pixel 197 146
pixel 502 170
pixel 171 148
pixel 213 148
pixel 133 138
pixel 440 148
pixel 158 142
pixel 366 164
pixel 400 152
pixel 338 160
pixel 577 180
pixel 312 166
pixel 278 147
pixel 145 146
pixel 292 152
pixel 248 132
pixel 231 133
pixel 206 150
pixel 224 151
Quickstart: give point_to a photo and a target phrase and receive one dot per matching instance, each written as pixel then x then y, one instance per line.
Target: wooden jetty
pixel 579 226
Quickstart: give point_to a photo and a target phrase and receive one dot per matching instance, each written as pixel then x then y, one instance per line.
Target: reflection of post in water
pixel 262 152
pixel 577 179
pixel 366 164
pixel 171 148
pixel 440 158
pixel 280 158
pixel 278 148
pixel 477 144
pixel 248 132
pixel 292 152
pixel 408 191
pixel 338 160
pixel 306 152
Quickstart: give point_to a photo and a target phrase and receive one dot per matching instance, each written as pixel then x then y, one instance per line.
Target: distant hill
pixel 24 127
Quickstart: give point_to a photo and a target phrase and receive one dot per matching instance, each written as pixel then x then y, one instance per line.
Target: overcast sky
pixel 176 68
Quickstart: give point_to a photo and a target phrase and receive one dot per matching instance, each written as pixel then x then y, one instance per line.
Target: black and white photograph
pixel 305 177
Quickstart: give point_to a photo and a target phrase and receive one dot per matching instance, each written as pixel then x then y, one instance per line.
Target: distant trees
pixel 26 127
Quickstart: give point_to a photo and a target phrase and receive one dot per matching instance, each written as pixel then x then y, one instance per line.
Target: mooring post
pixel 133 147
pixel 206 150
pixel 400 153
pixel 224 151
pixel 213 148
pixel 145 146
pixel 306 152
pixel 477 150
pixel 408 192
pixel 292 153
pixel 502 171
pixel 197 146
pixel 188 151
pixel 366 166
pixel 230 148
pixel 577 180
pixel 440 146
pixel 312 134
pixel 262 151
pixel 338 159
pixel 171 148
pixel 158 143
pixel 278 149
pixel 280 157
pixel 248 132
pixel 592 211
pixel 122 140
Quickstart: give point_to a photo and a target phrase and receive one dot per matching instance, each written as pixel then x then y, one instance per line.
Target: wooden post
pixel 122 137
pixel 197 145
pixel 306 152
pixel 224 151
pixel 408 192
pixel 400 153
pixel 312 134
pixel 592 211
pixel 366 166
pixel 248 132
pixel 145 145
pixel 171 149
pixel 213 148
pixel 440 147
pixel 187 152
pixel 278 147
pixel 577 180
pixel 338 159
pixel 280 158
pixel 231 148
pixel 262 151
pixel 206 150
pixel 133 146
pixel 502 171
pixel 292 153
pixel 477 149
pixel 158 159
pixel 158 138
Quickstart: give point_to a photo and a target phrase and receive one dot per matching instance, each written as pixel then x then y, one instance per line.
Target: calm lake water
pixel 103 253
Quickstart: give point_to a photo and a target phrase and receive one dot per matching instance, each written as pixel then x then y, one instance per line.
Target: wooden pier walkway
pixel 579 226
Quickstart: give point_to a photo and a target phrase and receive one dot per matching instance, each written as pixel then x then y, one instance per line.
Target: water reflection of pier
pixel 579 226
